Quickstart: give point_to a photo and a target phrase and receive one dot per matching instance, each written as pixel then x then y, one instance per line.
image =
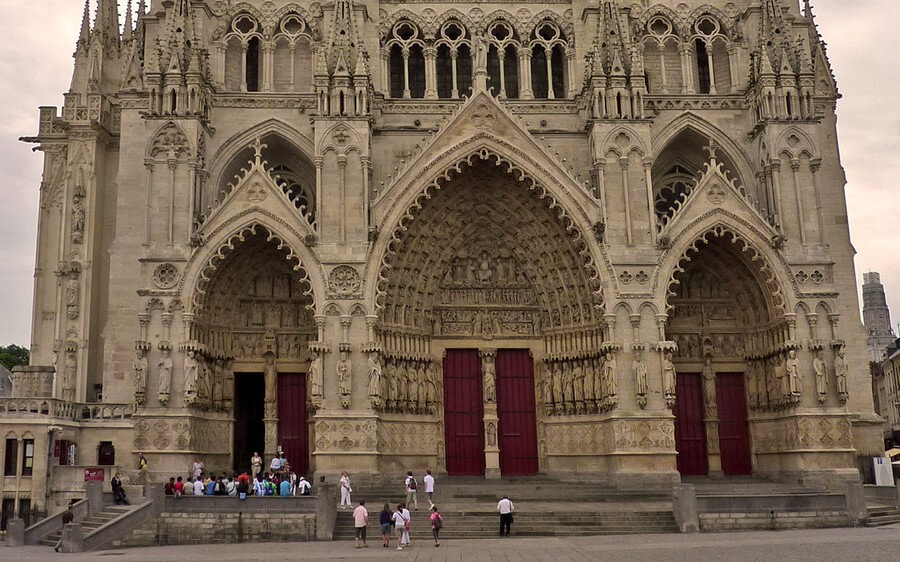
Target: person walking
pixel 345 489
pixel 410 485
pixel 385 520
pixel 304 488
pixel 361 522
pixel 67 517
pixel 429 487
pixel 399 525
pixel 407 523
pixel 506 508
pixel 118 490
pixel 437 523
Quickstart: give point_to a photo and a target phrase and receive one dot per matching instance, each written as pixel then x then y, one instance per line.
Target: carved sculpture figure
pixel 205 392
pixel 314 376
pixel 840 375
pixel 270 374
pixel 431 386
pixel 344 368
pixel 70 371
pixel 599 387
pixel 374 370
pixel 709 387
pixel 391 375
pixel 413 387
pixel 139 379
pixel 640 377
pixel 819 370
pixel 73 293
pixel 218 385
pixel 792 367
pixel 490 379
pixel 568 382
pixel 546 379
pixel 557 385
pixel 77 221
pixel 491 435
pixel 191 376
pixel 578 379
pixel 164 383
pixel 611 372
pixel 402 386
pixel 228 394
pixel 669 375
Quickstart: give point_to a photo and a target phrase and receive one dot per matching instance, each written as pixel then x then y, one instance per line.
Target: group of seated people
pixel 279 483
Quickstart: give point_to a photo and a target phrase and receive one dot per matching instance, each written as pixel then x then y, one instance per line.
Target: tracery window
pixel 407 61
pixel 243 54
pixel 503 60
pixel 662 62
pixel 292 59
pixel 301 194
pixel 454 61
pixel 712 72
pixel 675 185
pixel 548 62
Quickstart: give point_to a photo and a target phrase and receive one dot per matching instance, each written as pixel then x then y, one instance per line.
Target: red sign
pixel 93 474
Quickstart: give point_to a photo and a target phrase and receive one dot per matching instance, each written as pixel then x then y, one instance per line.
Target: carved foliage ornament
pixel 344 281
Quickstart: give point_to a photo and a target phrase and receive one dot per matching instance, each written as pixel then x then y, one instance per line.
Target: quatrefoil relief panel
pixel 344 281
pixel 165 276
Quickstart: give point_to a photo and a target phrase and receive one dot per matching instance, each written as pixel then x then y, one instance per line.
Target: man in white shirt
pixel 408 520
pixel 199 488
pixel 410 485
pixel 360 522
pixel 303 486
pixel 429 488
pixel 506 508
pixel 275 465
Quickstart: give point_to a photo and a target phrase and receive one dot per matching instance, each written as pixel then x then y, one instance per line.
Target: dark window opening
pixel 702 67
pixel 106 453
pixel 539 84
pixel 174 101
pixel 396 71
pixel 464 70
pixel 444 68
pixel 493 70
pixel 558 58
pixel 512 72
pixel 789 104
pixel 8 511
pixel 416 72
pixel 253 65
pixel 28 458
pixel 12 452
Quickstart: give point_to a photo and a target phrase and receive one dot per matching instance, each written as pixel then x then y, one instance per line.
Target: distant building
pixel 876 317
pixel 886 391
pixel 5 381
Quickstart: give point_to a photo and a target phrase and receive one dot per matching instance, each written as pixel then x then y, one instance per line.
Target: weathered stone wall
pixel 718 522
pixel 172 528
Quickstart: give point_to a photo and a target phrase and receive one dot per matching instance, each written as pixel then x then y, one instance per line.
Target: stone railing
pixel 60 409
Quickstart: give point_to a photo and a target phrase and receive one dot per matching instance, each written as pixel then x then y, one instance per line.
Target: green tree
pixel 12 355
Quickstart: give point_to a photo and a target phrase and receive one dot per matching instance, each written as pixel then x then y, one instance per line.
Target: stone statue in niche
pixel 164 383
pixel 70 372
pixel 139 375
pixel 669 375
pixel 490 379
pixel 413 388
pixel 390 375
pixel 840 375
pixel 314 376
pixel 77 221
pixel 431 387
pixel 485 271
pixel 402 381
pixel 611 374
pixel 589 391
pixel 73 294
pixel 597 370
pixel 375 379
pixel 218 385
pixel 491 431
pixel 792 367
pixel 578 385
pixel 781 378
pixel 423 387
pixel 191 376
pixel 709 387
pixel 344 370
pixel 557 385
pixel 640 379
pixel 544 376
pixel 819 370
pixel 228 395
pixel 568 382
pixel 205 392
pixel 270 377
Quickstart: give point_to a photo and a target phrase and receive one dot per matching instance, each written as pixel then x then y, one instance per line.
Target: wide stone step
pixel 883 519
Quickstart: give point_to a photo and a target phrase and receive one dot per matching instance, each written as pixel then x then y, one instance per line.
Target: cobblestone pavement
pixel 824 545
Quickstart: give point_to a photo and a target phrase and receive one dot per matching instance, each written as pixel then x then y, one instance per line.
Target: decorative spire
pixel 85 35
pixel 127 32
pixel 107 20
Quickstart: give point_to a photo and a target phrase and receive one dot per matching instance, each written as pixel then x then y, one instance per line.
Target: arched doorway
pixel 490 278
pixel 254 312
pixel 723 319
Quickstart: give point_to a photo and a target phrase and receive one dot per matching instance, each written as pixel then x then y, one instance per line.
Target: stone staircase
pixel 544 507
pixel 92 522
pixel 880 516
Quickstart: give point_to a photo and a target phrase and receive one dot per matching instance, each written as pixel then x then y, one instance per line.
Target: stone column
pixel 491 421
pixel 270 413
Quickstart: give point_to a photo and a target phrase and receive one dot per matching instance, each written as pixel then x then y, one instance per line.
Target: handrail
pixel 49 525
pixel 104 535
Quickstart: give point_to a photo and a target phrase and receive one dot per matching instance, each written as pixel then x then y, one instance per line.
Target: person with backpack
pixel 259 489
pixel 271 490
pixel 410 485
pixel 437 523
pixel 386 522
pixel 304 488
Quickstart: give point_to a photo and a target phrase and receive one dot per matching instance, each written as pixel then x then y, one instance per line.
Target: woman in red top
pixel 179 487
pixel 437 523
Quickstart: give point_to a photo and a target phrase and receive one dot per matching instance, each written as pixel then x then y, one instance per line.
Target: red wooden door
pixel 293 435
pixel 734 433
pixel 516 410
pixel 463 412
pixel 690 434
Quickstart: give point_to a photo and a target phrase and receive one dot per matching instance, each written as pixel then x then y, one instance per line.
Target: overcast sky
pixel 36 67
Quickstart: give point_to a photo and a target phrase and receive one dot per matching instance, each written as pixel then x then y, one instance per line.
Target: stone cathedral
pixel 557 237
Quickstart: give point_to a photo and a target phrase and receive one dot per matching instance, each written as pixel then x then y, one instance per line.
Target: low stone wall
pixel 717 522
pixel 175 528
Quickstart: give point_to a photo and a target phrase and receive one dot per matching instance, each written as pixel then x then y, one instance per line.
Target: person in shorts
pixel 410 485
pixel 360 522
pixel 385 519
pixel 399 525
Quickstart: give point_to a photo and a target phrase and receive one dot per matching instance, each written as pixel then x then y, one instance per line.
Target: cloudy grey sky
pixel 36 66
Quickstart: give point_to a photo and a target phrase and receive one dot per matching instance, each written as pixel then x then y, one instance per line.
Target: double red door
pixel 293 434
pixel 516 410
pixel 463 412
pixel 690 433
pixel 734 437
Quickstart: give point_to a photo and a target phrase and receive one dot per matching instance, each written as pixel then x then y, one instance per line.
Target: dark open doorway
pixel 249 431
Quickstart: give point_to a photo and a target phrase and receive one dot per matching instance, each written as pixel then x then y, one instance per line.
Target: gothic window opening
pixel 406 61
pixel 703 82
pixel 301 193
pixel 454 62
pixel 712 60
pixel 548 62
pixel 503 61
pixel 292 56
pixel 243 55
pixel 662 62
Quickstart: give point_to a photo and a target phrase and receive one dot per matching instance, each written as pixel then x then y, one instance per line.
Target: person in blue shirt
pixel 211 487
pixel 284 489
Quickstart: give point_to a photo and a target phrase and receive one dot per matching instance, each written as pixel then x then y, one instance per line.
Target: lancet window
pixel 292 59
pixel 503 60
pixel 407 61
pixel 454 61
pixel 711 67
pixel 243 55
pixel 548 62
pixel 662 61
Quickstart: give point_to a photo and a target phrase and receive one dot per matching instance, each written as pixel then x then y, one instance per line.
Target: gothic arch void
pixel 691 124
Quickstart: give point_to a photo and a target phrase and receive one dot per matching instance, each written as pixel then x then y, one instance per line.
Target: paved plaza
pixel 823 545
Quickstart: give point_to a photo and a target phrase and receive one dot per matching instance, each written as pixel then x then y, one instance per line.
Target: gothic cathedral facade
pixel 562 237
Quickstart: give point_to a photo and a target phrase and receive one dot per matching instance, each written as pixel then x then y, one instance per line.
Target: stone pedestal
pixel 491 442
